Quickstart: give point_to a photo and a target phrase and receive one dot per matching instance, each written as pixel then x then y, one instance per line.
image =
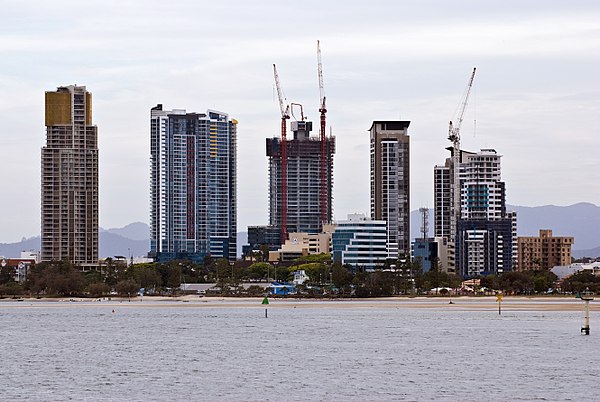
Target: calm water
pixel 82 351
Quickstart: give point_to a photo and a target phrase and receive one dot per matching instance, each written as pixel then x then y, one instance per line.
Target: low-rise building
pixel 563 271
pixel 258 236
pixel 20 267
pixel 303 244
pixel 544 252
pixel 431 251
pixel 360 242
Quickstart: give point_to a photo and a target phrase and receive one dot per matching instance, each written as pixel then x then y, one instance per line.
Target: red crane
pixel 285 114
pixel 322 110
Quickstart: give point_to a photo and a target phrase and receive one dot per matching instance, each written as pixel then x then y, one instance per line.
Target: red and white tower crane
pixel 285 115
pixel 322 111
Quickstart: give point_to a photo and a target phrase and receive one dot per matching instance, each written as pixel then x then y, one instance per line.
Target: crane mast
pixel 285 114
pixel 322 111
pixel 454 137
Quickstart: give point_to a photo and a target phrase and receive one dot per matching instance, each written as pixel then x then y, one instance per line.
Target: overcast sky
pixel 536 98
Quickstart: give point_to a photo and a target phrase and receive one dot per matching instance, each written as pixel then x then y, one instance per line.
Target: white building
pixel 486 234
pixel 360 242
pixel 34 255
pixel 563 271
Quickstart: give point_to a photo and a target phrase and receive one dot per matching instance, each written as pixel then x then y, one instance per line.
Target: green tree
pixel 127 287
pixel 11 288
pixel 317 272
pixel 379 283
pixel 7 274
pixel 342 277
pixel 255 290
pixel 146 275
pixel 515 283
pixel 98 289
pixel 55 278
pixel 259 270
pixel 283 273
pixel 322 257
pixel 435 264
pixel 264 250
pixel 223 268
pixel 581 281
pixel 174 277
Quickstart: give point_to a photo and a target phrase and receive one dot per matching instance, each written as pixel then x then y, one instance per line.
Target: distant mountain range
pixel 582 221
pixel 132 239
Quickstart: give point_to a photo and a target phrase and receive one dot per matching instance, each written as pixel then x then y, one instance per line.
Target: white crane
pixel 454 137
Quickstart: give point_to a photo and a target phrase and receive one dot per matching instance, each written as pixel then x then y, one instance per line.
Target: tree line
pixel 400 277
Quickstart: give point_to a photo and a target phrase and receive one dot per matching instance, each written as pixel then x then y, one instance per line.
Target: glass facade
pixel 193 185
pixel 360 243
pixel 390 182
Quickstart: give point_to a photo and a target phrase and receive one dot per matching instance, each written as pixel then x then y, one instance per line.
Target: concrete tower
pixel 303 180
pixel 69 193
pixel 390 182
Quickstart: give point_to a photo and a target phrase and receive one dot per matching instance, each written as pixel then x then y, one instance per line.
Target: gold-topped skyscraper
pixel 69 203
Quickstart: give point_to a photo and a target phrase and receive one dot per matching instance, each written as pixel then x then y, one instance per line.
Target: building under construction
pixel 306 206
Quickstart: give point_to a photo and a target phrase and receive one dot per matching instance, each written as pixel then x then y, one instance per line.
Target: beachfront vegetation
pixel 323 277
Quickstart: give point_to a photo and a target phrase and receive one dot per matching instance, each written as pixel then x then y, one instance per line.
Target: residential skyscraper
pixel 69 193
pixel 303 180
pixel 193 185
pixel 390 182
pixel 485 231
pixel 442 199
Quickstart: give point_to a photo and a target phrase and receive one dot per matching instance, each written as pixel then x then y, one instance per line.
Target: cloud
pixel 535 97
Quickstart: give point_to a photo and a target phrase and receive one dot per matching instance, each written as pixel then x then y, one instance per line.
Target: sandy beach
pixel 464 303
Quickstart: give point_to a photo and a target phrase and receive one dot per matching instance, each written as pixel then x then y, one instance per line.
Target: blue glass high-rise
pixel 193 206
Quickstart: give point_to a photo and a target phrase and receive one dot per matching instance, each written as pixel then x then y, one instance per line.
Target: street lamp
pixel 275 263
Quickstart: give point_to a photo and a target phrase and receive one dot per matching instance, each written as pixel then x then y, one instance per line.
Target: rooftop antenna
pixel 424 222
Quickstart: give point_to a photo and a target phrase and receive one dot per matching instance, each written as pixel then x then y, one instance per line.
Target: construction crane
pixel 454 137
pixel 322 110
pixel 285 115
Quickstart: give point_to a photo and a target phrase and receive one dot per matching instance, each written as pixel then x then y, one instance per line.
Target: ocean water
pixel 329 351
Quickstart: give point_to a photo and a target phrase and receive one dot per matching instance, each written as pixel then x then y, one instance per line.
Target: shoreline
pixel 460 303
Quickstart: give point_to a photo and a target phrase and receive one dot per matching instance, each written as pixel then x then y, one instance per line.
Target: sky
pixel 535 99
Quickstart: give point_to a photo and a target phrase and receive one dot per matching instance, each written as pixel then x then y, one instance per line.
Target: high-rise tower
pixel 390 182
pixel 69 204
pixel 304 188
pixel 485 230
pixel 193 202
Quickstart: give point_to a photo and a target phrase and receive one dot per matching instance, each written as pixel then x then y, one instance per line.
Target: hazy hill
pixel 593 253
pixel 581 221
pixel 133 231
pixel 13 250
pixel 111 244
